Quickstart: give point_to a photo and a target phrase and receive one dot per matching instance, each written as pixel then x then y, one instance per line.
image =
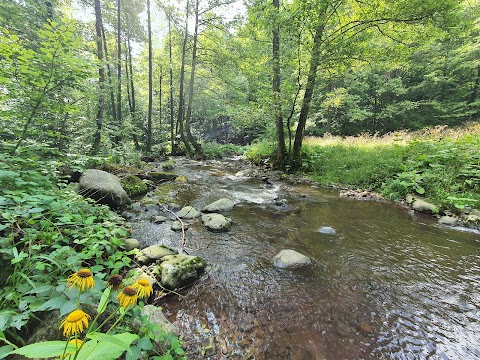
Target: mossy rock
pixel 176 271
pixel 120 169
pixel 162 176
pixel 133 185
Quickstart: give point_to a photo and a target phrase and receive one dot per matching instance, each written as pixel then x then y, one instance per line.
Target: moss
pixel 133 185
pixel 161 175
pixel 114 168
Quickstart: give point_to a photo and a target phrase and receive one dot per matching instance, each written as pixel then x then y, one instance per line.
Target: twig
pixel 182 250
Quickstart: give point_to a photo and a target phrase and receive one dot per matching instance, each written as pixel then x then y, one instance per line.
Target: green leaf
pixel 145 344
pixel 105 350
pixel 109 338
pixel 44 349
pixel 40 289
pixel 5 351
pixel 102 305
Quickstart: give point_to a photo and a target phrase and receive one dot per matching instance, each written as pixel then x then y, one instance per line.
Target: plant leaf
pixel 44 349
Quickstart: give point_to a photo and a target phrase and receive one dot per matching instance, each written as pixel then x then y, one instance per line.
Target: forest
pixel 374 95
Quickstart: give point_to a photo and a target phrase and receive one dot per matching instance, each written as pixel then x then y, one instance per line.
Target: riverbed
pixel 388 284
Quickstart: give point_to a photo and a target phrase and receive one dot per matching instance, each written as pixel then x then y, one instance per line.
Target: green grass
pixel 441 164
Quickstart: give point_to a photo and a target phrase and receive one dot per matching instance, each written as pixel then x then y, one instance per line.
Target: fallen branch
pixel 182 248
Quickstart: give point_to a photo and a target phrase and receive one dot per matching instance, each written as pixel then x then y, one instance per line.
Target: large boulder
pixel 176 271
pixel 221 205
pixel 103 187
pixel 154 253
pixel 216 222
pixel 290 259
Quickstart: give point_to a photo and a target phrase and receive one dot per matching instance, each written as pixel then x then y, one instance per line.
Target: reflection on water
pixel 386 285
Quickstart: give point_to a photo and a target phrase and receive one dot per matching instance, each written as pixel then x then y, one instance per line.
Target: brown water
pixel 387 285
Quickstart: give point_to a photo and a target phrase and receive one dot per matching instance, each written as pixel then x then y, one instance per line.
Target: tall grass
pixel 440 163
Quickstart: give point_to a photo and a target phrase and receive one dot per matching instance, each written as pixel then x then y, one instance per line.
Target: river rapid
pixel 388 285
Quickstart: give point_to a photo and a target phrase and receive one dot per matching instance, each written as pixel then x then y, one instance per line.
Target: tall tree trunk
pixel 150 80
pixel 280 131
pixel 130 96
pixel 109 76
pixel 307 97
pixel 119 66
pixel 160 105
pixel 190 137
pixel 181 99
pixel 172 121
pixel 101 77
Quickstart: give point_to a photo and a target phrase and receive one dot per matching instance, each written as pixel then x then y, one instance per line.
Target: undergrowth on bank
pixel 441 164
pixel 48 231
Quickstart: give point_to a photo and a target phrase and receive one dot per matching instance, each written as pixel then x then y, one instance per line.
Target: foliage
pixel 103 337
pixel 213 150
pixel 441 164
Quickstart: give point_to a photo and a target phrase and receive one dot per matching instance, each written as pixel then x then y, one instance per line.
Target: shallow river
pixel 387 285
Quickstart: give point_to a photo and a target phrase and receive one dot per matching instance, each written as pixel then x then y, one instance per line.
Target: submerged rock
pixel 189 213
pixel 103 187
pixel 327 230
pixel 159 219
pixel 176 271
pixel 221 205
pixel 290 259
pixel 153 253
pixel 216 222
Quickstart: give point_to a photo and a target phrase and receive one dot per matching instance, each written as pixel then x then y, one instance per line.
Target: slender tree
pixel 119 64
pixel 101 77
pixel 281 151
pixel 172 121
pixel 190 137
pixel 150 80
pixel 181 98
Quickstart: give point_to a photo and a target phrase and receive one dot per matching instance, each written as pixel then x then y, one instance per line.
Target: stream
pixel 387 285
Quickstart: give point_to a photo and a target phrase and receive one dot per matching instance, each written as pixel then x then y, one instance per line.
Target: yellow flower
pixel 74 323
pixel 82 279
pixel 144 289
pixel 75 342
pixel 128 296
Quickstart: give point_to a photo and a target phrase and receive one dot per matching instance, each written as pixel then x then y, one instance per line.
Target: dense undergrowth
pixel 47 232
pixel 441 164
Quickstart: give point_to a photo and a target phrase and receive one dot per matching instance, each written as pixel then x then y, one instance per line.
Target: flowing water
pixel 387 285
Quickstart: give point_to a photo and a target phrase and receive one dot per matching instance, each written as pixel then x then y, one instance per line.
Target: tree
pixel 150 81
pixel 101 76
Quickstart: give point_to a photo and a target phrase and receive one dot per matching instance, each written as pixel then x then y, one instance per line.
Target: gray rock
pixel 177 226
pixel 153 253
pixel 221 205
pixel 290 259
pixel 155 316
pixel 327 230
pixel 216 222
pixel 472 219
pixel 152 207
pixel 103 187
pixel 159 219
pixel 448 220
pixel 176 271
pixel 131 244
pixel 188 212
pixel 424 207
pixel 173 206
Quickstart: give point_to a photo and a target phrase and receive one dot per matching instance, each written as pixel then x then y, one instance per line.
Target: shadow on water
pixel 386 285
